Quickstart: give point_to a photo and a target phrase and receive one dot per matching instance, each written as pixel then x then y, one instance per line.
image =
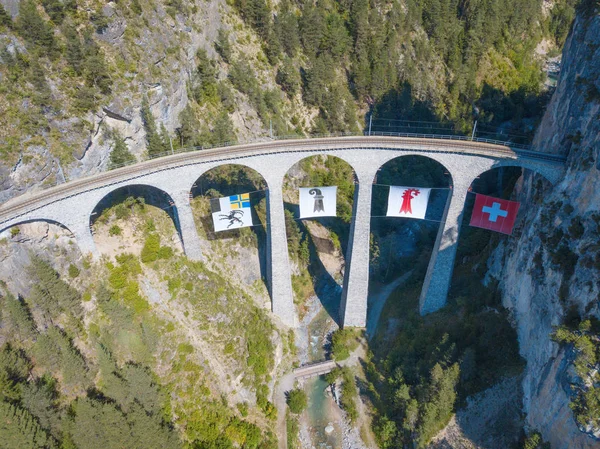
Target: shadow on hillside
pixel 326 288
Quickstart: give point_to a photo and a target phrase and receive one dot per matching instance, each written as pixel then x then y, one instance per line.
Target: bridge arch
pixel 226 180
pixel 318 243
pixel 401 246
pixel 36 220
pixel 124 200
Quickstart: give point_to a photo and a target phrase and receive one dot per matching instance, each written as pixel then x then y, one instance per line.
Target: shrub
pixel 150 251
pixel 73 271
pixel 115 230
pixel 343 341
pixel 297 401
pixel 15 231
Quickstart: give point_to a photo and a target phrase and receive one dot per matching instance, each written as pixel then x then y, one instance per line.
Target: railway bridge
pixel 72 204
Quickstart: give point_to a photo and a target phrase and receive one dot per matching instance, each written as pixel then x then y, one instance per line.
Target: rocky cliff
pixel 550 273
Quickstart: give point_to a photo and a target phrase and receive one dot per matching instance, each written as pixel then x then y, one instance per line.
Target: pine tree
pixel 74 49
pixel 55 9
pixel 288 77
pixel 34 29
pixel 154 142
pixel 94 67
pixel 50 293
pixel 5 18
pixel 223 46
pixel 42 93
pixel 120 154
pixel 17 319
pixel 223 129
pixel 188 131
pixel 20 430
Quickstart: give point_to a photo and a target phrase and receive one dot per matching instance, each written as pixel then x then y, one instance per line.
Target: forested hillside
pixel 84 79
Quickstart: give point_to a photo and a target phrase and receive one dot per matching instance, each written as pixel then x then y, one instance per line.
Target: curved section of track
pixel 25 203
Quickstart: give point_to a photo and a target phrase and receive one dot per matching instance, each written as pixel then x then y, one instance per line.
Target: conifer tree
pixel 20 430
pixel 34 29
pixel 154 142
pixel 55 9
pixel 74 48
pixel 223 129
pixel 120 154
pixel 5 19
pixel 42 93
pixel 223 46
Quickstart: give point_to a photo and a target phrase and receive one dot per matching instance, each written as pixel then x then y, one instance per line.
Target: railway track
pixel 22 204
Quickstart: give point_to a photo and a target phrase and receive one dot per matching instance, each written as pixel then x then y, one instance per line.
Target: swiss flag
pixel 494 214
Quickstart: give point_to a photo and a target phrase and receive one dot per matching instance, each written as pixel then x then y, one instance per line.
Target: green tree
pixel 74 48
pixel 120 154
pixel 188 131
pixel 94 66
pixel 151 248
pixel 55 9
pixel 297 400
pixel 14 370
pixel 288 77
pixel 223 129
pixel 42 93
pixel 223 46
pixel 50 293
pixel 20 430
pixel 154 142
pixel 17 319
pixel 5 18
pixel 35 30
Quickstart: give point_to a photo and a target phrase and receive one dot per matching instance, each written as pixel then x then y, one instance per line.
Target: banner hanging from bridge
pixel 231 212
pixel 408 202
pixel 494 214
pixel 318 201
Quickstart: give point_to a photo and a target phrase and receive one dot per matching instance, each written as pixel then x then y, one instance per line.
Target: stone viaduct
pixel 70 205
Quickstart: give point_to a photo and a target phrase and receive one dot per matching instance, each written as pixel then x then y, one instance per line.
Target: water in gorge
pixel 323 415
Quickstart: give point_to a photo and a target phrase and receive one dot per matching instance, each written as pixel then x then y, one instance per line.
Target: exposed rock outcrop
pixel 548 271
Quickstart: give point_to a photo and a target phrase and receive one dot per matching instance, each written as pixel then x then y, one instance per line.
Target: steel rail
pixel 25 203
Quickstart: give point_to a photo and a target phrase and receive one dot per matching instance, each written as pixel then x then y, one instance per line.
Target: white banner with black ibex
pixel 231 212
pixel 318 201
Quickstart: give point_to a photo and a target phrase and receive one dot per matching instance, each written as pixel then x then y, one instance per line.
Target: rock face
pixel 549 270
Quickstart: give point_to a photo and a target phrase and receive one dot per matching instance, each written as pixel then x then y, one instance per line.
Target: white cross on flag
pixel 408 202
pixel 318 201
pixel 495 214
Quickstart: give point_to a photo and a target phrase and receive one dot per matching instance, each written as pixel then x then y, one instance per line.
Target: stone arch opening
pixel 244 247
pixel 318 246
pixel 124 218
pixel 5 229
pixel 475 246
pixel 401 248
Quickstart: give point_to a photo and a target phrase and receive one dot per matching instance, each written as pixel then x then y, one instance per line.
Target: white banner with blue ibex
pixel 231 212
pixel 318 201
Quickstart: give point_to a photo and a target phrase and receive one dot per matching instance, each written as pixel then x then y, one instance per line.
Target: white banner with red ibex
pixel 409 202
pixel 318 201
pixel 231 212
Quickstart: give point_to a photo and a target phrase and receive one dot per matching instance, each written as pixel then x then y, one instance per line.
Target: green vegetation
pixel 349 394
pixel 343 342
pixel 423 368
pixel 297 400
pixel 584 338
pixel 535 441
pixel 120 154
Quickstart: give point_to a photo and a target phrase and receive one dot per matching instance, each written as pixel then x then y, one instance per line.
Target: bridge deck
pixel 28 202
pixel 316 369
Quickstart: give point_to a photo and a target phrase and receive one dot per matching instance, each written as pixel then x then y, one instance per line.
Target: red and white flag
pixel 494 214
pixel 409 202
